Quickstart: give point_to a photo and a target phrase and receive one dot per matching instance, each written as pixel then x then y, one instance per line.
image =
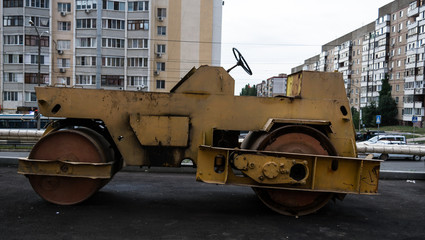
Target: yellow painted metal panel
pixel 167 131
pixel 65 168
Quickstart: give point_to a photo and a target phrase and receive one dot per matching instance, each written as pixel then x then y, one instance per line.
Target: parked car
pixel 389 139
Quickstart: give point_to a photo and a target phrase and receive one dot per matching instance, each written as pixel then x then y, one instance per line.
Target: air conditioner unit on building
pixel 138 88
pixel 60 52
pixel 159 55
pixel 62 70
pixel 160 19
pixel 156 72
pixel 63 14
pixel 88 10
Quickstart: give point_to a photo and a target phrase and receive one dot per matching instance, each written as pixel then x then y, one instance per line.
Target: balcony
pixel 412 25
pixel 410 105
pixel 409 91
pixel 412 11
pixel 408 118
pixel 411 65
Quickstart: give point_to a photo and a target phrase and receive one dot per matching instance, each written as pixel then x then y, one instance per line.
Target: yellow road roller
pixel 300 151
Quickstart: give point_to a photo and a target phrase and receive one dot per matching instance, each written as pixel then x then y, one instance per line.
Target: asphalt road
pixel 145 205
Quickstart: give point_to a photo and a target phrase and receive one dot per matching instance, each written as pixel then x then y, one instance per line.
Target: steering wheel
pixel 241 62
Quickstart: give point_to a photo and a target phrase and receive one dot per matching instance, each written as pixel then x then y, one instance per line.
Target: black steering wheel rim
pixel 241 61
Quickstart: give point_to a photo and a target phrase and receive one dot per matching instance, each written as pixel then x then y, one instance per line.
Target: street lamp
pixel 39 65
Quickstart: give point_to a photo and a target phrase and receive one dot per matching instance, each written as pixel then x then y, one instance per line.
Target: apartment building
pixel 272 87
pixel 393 47
pixel 108 44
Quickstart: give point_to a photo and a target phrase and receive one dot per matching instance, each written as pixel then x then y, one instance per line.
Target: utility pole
pixel 39 69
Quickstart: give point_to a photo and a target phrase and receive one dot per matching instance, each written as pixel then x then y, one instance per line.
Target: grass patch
pixel 405 129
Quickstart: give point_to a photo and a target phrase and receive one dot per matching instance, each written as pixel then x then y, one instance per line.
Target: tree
pixel 369 115
pixel 387 106
pixel 248 91
pixel 356 117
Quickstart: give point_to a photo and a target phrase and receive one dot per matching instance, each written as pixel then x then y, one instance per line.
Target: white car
pixel 389 139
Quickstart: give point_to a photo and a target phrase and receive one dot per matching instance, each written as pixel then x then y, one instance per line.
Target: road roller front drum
pixel 75 145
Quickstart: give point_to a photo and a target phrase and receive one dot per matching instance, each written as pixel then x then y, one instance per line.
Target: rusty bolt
pixel 261 178
pixel 252 165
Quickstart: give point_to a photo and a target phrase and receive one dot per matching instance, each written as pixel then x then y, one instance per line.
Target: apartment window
pixel 400 38
pixel 162 12
pixel 32 78
pixel 30 97
pixel 137 62
pixel 400 26
pixel 10 77
pixel 112 80
pixel 38 21
pixel 394 16
pixel 13 21
pixel 13 3
pixel 10 96
pixel 135 6
pixel 64 62
pixel 86 23
pixel 13 39
pixel 64 26
pixel 162 30
pixel 160 66
pixel 137 81
pixel 393 28
pixel 114 5
pixel 113 43
pixel 397 88
pixel 32 40
pixel 86 42
pixel 133 25
pixel 85 61
pixel 86 4
pixel 64 80
pixel 37 3
pixel 112 61
pixel 113 24
pixel 64 7
pixel 13 58
pixel 64 44
pixel 161 48
pixel 85 79
pixel 401 14
pixel 138 43
pixel 160 84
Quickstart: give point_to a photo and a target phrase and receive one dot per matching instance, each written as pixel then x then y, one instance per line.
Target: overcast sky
pixel 277 35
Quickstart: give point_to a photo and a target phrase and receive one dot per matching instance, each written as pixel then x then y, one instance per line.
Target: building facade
pixel 272 87
pixel 108 44
pixel 391 47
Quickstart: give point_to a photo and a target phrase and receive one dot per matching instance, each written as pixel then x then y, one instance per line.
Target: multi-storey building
pixel 109 44
pixel 391 47
pixel 274 86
